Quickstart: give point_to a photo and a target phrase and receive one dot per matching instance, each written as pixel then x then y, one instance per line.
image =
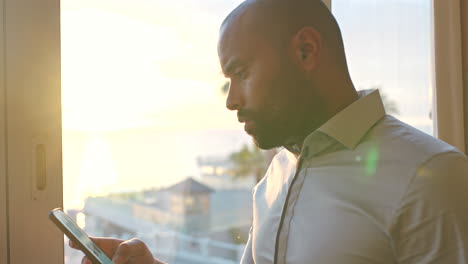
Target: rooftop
pixel 189 186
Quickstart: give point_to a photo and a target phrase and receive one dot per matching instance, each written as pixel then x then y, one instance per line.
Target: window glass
pixel 388 46
pixel 149 148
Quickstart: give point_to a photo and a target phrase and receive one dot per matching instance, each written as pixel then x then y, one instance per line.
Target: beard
pixel 287 112
pixel 267 130
pixel 264 139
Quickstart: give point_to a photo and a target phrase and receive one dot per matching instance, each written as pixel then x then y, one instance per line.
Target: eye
pixel 241 74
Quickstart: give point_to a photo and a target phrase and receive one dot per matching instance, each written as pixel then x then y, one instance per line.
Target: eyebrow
pixel 231 65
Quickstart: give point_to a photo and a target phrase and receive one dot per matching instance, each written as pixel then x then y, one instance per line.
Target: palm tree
pixel 248 161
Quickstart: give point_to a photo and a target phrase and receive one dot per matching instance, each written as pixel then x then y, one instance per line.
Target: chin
pixel 265 143
pixel 265 136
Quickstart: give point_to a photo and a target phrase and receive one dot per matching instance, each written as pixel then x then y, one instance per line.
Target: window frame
pixel 31 115
pixel 464 30
pixel 4 252
pixel 448 75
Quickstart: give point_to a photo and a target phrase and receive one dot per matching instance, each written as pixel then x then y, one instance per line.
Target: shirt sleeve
pixel 247 256
pixel 431 223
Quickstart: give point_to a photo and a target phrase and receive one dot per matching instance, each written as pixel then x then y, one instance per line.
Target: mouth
pixel 249 126
pixel 242 119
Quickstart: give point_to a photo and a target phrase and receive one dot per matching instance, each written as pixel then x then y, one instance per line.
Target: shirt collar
pixel 352 123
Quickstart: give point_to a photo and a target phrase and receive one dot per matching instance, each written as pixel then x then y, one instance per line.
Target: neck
pixel 341 97
pixel 338 96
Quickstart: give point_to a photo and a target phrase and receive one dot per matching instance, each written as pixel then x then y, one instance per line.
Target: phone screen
pixel 66 224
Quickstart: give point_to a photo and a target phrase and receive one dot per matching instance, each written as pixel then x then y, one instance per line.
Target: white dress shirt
pixel 366 188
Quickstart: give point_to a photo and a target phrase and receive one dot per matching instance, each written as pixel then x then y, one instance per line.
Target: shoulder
pixel 431 221
pixel 403 139
pixel 441 179
pixel 435 170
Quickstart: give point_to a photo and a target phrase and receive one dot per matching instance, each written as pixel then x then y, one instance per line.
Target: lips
pixel 248 127
pixel 242 119
pixel 249 124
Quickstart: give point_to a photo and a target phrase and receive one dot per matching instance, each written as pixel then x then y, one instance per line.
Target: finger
pixel 72 244
pixel 129 249
pixel 159 261
pixel 85 260
pixel 106 241
pixel 107 244
pixel 122 255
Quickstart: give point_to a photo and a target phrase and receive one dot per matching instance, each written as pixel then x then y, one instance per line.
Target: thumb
pixel 85 260
pixel 122 254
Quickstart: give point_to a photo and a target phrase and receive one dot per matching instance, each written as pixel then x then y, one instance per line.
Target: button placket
pixel 322 142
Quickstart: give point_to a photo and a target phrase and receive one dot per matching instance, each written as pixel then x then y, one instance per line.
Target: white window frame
pixel 3 181
pixel 464 23
pixel 448 74
pixel 30 115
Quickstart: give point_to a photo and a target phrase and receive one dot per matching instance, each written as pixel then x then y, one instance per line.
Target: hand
pixel 133 251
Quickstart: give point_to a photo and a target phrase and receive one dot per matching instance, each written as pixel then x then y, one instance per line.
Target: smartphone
pixel 78 236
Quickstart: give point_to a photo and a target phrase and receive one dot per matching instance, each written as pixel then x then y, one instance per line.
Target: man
pixel 352 185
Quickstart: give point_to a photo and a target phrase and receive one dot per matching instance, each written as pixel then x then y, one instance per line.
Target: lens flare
pixel 371 161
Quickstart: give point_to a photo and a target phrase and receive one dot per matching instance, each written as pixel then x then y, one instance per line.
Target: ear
pixel 307 47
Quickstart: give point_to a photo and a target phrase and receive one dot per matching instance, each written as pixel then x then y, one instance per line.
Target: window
pixel 143 119
pixel 143 110
pixel 389 46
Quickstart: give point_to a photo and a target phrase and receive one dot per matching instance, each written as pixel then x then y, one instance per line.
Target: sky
pixel 130 62
pixel 141 80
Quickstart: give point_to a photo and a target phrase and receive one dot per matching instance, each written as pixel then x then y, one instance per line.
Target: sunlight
pixel 81 220
pixel 120 71
pixel 97 173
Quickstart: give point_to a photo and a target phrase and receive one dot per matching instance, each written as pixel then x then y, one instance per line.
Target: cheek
pixel 257 91
pixel 264 88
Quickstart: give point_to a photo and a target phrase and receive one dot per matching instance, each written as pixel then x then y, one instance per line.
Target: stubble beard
pixel 270 133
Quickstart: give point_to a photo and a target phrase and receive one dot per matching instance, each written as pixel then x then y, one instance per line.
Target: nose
pixel 234 98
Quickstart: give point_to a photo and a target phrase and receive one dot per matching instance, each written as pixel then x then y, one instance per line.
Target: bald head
pixel 279 20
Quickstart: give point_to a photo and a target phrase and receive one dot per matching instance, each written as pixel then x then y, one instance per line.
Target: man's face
pixel 265 87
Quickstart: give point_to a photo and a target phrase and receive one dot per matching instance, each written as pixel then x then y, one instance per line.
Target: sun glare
pixel 120 71
pixel 145 66
pixel 98 174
